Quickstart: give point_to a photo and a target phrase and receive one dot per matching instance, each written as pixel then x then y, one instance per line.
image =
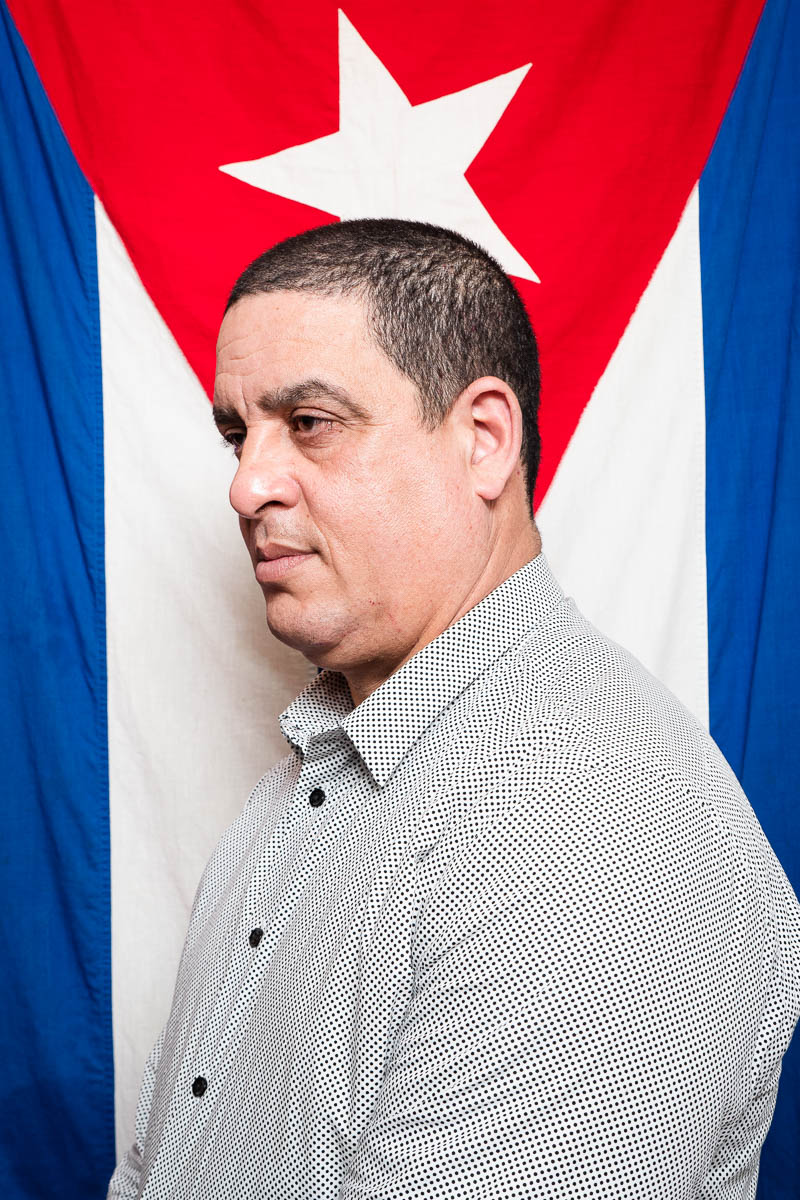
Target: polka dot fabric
pixel 508 929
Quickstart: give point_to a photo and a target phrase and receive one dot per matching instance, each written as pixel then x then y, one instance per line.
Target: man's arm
pixel 578 1025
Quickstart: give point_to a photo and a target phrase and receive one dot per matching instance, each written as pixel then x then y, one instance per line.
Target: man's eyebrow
pixel 223 414
pixel 305 392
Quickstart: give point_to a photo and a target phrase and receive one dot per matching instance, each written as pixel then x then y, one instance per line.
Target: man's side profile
pixel 502 923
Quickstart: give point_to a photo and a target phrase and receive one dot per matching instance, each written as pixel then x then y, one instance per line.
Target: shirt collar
pixel 385 726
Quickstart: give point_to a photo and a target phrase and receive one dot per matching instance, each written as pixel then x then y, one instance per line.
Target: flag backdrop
pixel 634 166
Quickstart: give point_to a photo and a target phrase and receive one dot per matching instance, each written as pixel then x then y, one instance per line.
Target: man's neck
pixel 501 565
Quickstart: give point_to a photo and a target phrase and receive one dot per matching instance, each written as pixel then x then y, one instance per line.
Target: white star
pixel 394 159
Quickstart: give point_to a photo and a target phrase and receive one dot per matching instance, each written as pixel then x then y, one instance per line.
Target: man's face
pixel 357 519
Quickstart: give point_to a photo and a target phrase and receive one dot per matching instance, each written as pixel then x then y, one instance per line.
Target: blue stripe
pixel 750 254
pixel 55 983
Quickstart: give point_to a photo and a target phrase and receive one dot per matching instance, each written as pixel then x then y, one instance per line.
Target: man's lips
pixel 275 561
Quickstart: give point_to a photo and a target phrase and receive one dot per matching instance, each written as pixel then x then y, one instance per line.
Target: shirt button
pixel 199 1086
pixel 316 798
pixel 255 937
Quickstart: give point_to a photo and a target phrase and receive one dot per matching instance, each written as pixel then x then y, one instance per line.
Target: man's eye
pixel 234 438
pixel 306 423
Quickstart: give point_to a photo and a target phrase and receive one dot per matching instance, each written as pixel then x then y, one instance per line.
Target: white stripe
pixel 623 523
pixel 195 681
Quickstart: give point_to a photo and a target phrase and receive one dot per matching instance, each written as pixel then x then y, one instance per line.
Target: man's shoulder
pixel 572 720
pixel 569 688
pixel 569 725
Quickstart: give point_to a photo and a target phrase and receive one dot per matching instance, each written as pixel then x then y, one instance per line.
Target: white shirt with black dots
pixel 508 929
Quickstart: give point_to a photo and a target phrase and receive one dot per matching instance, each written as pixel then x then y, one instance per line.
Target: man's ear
pixel 489 413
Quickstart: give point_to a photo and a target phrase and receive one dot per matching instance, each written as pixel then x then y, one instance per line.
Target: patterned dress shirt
pixel 508 929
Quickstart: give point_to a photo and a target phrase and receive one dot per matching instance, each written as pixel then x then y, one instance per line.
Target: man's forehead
pixel 267 315
pixel 275 341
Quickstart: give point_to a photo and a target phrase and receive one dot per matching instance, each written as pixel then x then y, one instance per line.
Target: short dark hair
pixel 440 307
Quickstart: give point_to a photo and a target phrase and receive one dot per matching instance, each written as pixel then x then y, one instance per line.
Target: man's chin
pixel 318 636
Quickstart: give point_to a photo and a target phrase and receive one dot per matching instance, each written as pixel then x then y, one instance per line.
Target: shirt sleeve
pixel 126 1180
pixel 585 1011
pixel 734 1168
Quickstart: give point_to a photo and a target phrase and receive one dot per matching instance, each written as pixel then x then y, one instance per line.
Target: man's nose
pixel 264 476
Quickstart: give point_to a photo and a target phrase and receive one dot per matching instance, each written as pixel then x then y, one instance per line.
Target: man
pixel 502 923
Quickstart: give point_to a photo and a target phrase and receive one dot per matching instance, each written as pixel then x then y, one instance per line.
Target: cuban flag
pixel 634 165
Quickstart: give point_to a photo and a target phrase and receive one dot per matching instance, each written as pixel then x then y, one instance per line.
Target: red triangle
pixel 587 172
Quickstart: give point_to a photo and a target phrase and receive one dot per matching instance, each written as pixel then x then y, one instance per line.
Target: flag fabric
pixel 633 166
